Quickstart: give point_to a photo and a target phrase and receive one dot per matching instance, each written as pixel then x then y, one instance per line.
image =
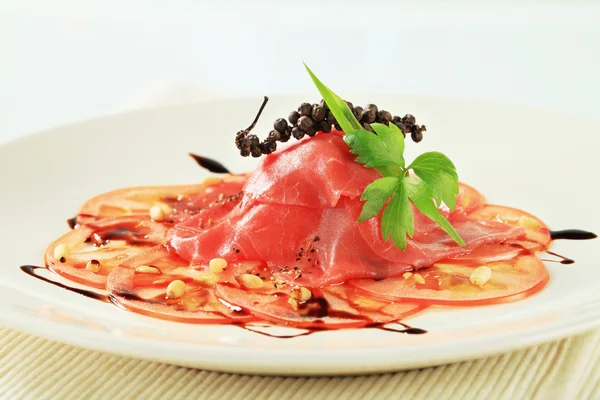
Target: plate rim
pixel 244 359
pixel 11 318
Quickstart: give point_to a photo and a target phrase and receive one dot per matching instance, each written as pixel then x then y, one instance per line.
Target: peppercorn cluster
pixel 312 118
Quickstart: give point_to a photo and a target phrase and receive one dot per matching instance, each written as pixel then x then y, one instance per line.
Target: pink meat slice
pixel 298 216
pixel 315 172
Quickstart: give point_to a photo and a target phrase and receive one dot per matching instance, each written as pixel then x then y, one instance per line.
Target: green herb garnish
pixel 385 151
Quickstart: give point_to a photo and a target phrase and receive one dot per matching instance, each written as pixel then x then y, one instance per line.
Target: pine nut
pixel 293 303
pixel 529 222
pixel 147 269
pixel 481 275
pixel 62 252
pixel 301 294
pixel 208 278
pixel 157 213
pixel 212 181
pixel 251 281
pixel 175 289
pixel 217 265
pixel 93 266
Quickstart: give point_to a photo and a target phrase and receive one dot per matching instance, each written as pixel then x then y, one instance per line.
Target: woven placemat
pixel 35 368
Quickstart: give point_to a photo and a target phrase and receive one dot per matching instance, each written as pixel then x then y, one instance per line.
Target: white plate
pixel 540 161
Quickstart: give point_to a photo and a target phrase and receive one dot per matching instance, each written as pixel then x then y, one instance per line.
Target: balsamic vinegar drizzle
pixel 210 164
pixel 31 271
pixel 572 234
pixel 250 328
pixel 321 309
pixel 407 329
pixel 72 222
pixel 563 259
pixel 568 234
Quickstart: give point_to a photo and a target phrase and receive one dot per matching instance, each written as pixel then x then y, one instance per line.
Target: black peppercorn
pixel 285 136
pixel 311 131
pixel 305 109
pixel 240 139
pixel 357 111
pixel 304 123
pixel 325 127
pixel 369 114
pixel 324 105
pixel 254 143
pixel 409 120
pixel 297 133
pixel 309 119
pixel 273 136
pixel 280 125
pixel 268 147
pixel 416 136
pixel 384 117
pixel 318 113
pixel 330 118
pixel 252 140
pixel 293 117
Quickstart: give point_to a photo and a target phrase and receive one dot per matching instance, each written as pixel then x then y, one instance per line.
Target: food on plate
pixel 336 230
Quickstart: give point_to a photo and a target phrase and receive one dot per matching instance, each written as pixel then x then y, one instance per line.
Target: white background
pixel 62 61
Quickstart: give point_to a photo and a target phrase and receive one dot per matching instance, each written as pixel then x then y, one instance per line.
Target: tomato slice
pixel 449 284
pixel 144 290
pixel 493 252
pixel 536 230
pixel 177 201
pixel 332 307
pixel 108 241
pixel 325 310
pixel 468 198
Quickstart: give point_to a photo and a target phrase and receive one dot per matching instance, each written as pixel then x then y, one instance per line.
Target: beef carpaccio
pixel 282 245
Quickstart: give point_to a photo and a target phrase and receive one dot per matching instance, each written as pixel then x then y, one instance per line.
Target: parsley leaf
pixel 421 195
pixel 373 150
pixel 376 194
pixel 397 220
pixel 437 171
pixel 393 138
pixel 384 151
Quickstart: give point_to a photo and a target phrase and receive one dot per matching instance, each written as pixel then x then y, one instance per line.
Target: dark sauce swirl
pixel 572 234
pixel 317 308
pixel 210 164
pixel 31 271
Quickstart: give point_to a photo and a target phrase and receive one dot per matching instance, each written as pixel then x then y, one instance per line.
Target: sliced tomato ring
pixel 468 198
pixel 136 200
pixel 144 290
pixel 449 284
pixel 535 229
pixel 493 252
pixel 176 201
pixel 338 307
pixel 109 241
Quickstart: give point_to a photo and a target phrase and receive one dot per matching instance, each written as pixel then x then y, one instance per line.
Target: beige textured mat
pixel 34 368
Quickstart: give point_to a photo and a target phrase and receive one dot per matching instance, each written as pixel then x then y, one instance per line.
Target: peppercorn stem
pixel 262 107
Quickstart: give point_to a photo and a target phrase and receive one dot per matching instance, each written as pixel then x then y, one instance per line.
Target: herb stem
pixel 262 107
